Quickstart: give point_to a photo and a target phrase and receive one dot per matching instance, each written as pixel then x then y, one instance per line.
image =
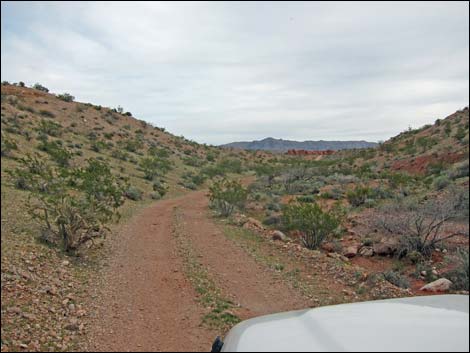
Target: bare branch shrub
pixel 420 225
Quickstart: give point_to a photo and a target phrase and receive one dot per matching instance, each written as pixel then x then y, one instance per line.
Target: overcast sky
pixel 223 72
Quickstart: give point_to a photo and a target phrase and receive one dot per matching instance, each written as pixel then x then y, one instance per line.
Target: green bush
pixel 226 195
pixel 133 193
pixel 396 279
pixel 154 166
pixel 441 182
pixel 460 275
pixel 7 146
pixel 46 113
pixel 72 205
pixel 231 165
pixel 306 198
pixel 160 187
pixel 66 97
pixel 40 87
pixel 50 128
pixel 359 195
pixel 155 195
pixel 315 224
pixel 59 154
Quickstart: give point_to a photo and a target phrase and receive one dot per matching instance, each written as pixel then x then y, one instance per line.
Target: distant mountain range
pixel 280 145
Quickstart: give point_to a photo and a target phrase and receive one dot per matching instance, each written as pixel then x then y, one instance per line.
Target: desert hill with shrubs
pixel 383 221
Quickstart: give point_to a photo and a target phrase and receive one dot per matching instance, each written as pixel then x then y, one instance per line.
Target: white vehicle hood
pixel 434 323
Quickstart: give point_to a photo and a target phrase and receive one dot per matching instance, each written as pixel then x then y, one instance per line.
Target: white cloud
pixel 217 72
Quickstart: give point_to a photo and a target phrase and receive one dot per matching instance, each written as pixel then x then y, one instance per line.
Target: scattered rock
pixel 386 246
pixel 337 256
pixel 351 251
pixel 278 235
pixel 30 317
pixel 440 285
pixel 253 224
pixel 366 251
pixel 14 310
pixel 328 246
pixel 73 325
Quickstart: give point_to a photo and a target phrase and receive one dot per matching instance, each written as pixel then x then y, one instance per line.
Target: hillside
pixel 280 145
pixel 44 289
pixel 196 221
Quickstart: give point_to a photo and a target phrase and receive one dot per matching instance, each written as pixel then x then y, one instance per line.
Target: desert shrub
pixel 72 205
pixel 131 145
pixel 66 97
pixel 441 182
pixel 210 157
pixel 160 187
pixel 59 154
pixel 415 257
pixel 460 275
pixel 231 165
pixel 196 179
pixel 419 225
pixel 315 224
pixel 213 171
pixel 460 134
pixel 98 146
pixel 7 146
pixel 40 87
pixel 155 195
pixel 154 166
pixel 50 128
pixel 119 154
pixel 133 193
pixel 459 170
pixel 273 206
pixel 359 195
pixel 334 194
pixel 272 220
pixel 381 193
pixel 46 113
pixel 395 278
pixel 160 152
pixel 188 185
pixel 193 161
pixel 367 242
pixel 435 168
pixel 225 195
pixel 306 198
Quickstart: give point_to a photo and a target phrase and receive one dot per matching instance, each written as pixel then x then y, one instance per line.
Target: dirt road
pixel 147 303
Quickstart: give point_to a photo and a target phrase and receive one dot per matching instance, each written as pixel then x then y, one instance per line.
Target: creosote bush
pixel 72 205
pixel 225 195
pixel 66 97
pixel 358 196
pixel 309 218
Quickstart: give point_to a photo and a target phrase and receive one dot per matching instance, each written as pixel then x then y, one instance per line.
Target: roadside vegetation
pixel 383 221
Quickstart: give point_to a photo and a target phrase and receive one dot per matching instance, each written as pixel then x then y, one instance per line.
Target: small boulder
pixel 328 246
pixel 366 251
pixel 440 285
pixel 386 246
pixel 253 224
pixel 350 251
pixel 278 235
